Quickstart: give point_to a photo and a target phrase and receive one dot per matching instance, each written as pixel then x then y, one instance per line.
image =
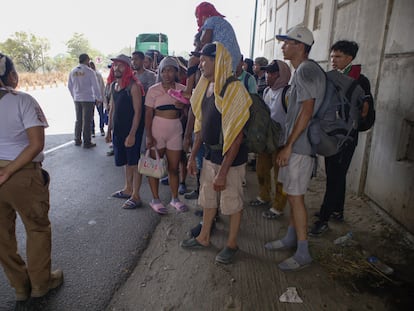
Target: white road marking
pixel 59 147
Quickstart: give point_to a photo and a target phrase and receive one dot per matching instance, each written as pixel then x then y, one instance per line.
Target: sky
pixel 112 26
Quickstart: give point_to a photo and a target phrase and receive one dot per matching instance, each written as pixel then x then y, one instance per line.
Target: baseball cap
pixel 208 50
pixel 298 33
pixel 272 67
pixel 122 58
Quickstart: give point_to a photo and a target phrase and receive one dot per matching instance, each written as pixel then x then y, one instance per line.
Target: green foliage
pixel 27 50
pixel 77 45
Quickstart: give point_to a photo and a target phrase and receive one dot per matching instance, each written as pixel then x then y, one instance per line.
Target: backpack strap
pixel 284 103
pixel 226 84
pixel 246 82
pixel 265 91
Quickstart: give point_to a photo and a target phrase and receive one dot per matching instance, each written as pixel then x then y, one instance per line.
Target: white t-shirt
pixel 18 113
pixel 273 99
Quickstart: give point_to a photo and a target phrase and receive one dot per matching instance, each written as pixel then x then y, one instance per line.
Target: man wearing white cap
pixel 295 161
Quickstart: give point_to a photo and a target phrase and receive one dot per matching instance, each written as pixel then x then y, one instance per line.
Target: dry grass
pixel 39 80
pixel 349 264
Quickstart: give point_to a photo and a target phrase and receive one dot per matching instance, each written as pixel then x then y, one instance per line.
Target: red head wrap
pixel 206 9
pixel 126 78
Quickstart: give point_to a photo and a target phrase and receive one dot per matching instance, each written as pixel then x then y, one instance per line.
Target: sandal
pixel 291 264
pixel 120 195
pixel 179 206
pixel 178 95
pixel 159 208
pixel 131 204
pixel 258 202
pixel 226 255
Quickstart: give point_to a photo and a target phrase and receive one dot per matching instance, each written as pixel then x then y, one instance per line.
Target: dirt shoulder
pixel 168 277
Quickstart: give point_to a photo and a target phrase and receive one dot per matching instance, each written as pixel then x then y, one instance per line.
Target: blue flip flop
pixel 120 195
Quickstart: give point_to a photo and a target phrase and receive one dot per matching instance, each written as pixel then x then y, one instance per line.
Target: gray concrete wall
pixel 382 167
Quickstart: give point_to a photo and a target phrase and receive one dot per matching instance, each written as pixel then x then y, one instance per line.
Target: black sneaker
pixel 338 216
pixel 193 195
pixel 318 228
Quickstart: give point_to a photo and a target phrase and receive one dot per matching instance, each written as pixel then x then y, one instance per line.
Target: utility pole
pixel 254 31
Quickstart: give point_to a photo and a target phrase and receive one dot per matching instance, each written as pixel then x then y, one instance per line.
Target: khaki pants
pixel 83 123
pixel 26 193
pixel 264 164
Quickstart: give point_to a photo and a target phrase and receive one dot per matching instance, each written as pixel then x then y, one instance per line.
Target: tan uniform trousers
pixel 264 164
pixel 27 193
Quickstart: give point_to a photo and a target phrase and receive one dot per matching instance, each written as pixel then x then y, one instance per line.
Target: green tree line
pixel 30 52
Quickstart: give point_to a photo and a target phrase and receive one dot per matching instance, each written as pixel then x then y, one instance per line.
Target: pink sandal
pixel 178 95
pixel 159 208
pixel 179 206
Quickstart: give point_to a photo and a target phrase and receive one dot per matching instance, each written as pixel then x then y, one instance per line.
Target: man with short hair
pixel 125 128
pixel 277 78
pixel 259 74
pixel 84 88
pixel 343 53
pixel 295 158
pixel 246 78
pixel 147 77
pixel 224 165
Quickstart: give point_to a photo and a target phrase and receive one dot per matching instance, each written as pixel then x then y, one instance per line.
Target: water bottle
pixel 387 270
pixel 343 240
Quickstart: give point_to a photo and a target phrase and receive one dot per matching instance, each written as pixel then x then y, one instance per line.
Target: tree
pixel 77 45
pixel 27 50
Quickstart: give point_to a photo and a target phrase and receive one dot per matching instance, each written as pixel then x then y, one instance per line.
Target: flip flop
pixel 159 208
pixel 178 95
pixel 179 206
pixel 131 204
pixel 291 264
pixel 192 243
pixel 120 195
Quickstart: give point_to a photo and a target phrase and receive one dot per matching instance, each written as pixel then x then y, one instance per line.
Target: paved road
pixel 94 241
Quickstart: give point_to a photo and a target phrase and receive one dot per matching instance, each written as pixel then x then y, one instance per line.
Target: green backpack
pixel 261 133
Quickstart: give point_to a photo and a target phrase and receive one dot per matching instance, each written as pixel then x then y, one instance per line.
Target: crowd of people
pixel 169 108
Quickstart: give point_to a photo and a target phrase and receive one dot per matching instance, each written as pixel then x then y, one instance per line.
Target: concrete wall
pixel 383 166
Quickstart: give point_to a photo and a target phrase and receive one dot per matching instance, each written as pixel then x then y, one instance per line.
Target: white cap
pixel 298 33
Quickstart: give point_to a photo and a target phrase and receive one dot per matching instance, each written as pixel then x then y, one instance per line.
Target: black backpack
pixel 366 123
pixel 335 123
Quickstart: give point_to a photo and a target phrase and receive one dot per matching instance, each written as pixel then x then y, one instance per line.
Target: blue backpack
pixel 335 124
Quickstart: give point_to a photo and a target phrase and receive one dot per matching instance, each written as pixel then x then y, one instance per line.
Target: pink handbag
pixel 148 166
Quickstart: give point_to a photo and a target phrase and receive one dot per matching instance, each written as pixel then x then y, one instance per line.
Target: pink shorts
pixel 168 133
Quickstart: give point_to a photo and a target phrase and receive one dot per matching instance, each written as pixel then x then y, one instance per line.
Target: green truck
pixel 152 41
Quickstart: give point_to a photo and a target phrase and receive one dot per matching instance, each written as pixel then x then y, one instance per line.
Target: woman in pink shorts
pixel 164 130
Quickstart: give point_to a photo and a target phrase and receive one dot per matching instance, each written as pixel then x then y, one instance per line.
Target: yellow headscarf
pixel 234 106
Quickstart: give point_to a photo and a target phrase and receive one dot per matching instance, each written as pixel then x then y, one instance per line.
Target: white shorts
pixel 297 174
